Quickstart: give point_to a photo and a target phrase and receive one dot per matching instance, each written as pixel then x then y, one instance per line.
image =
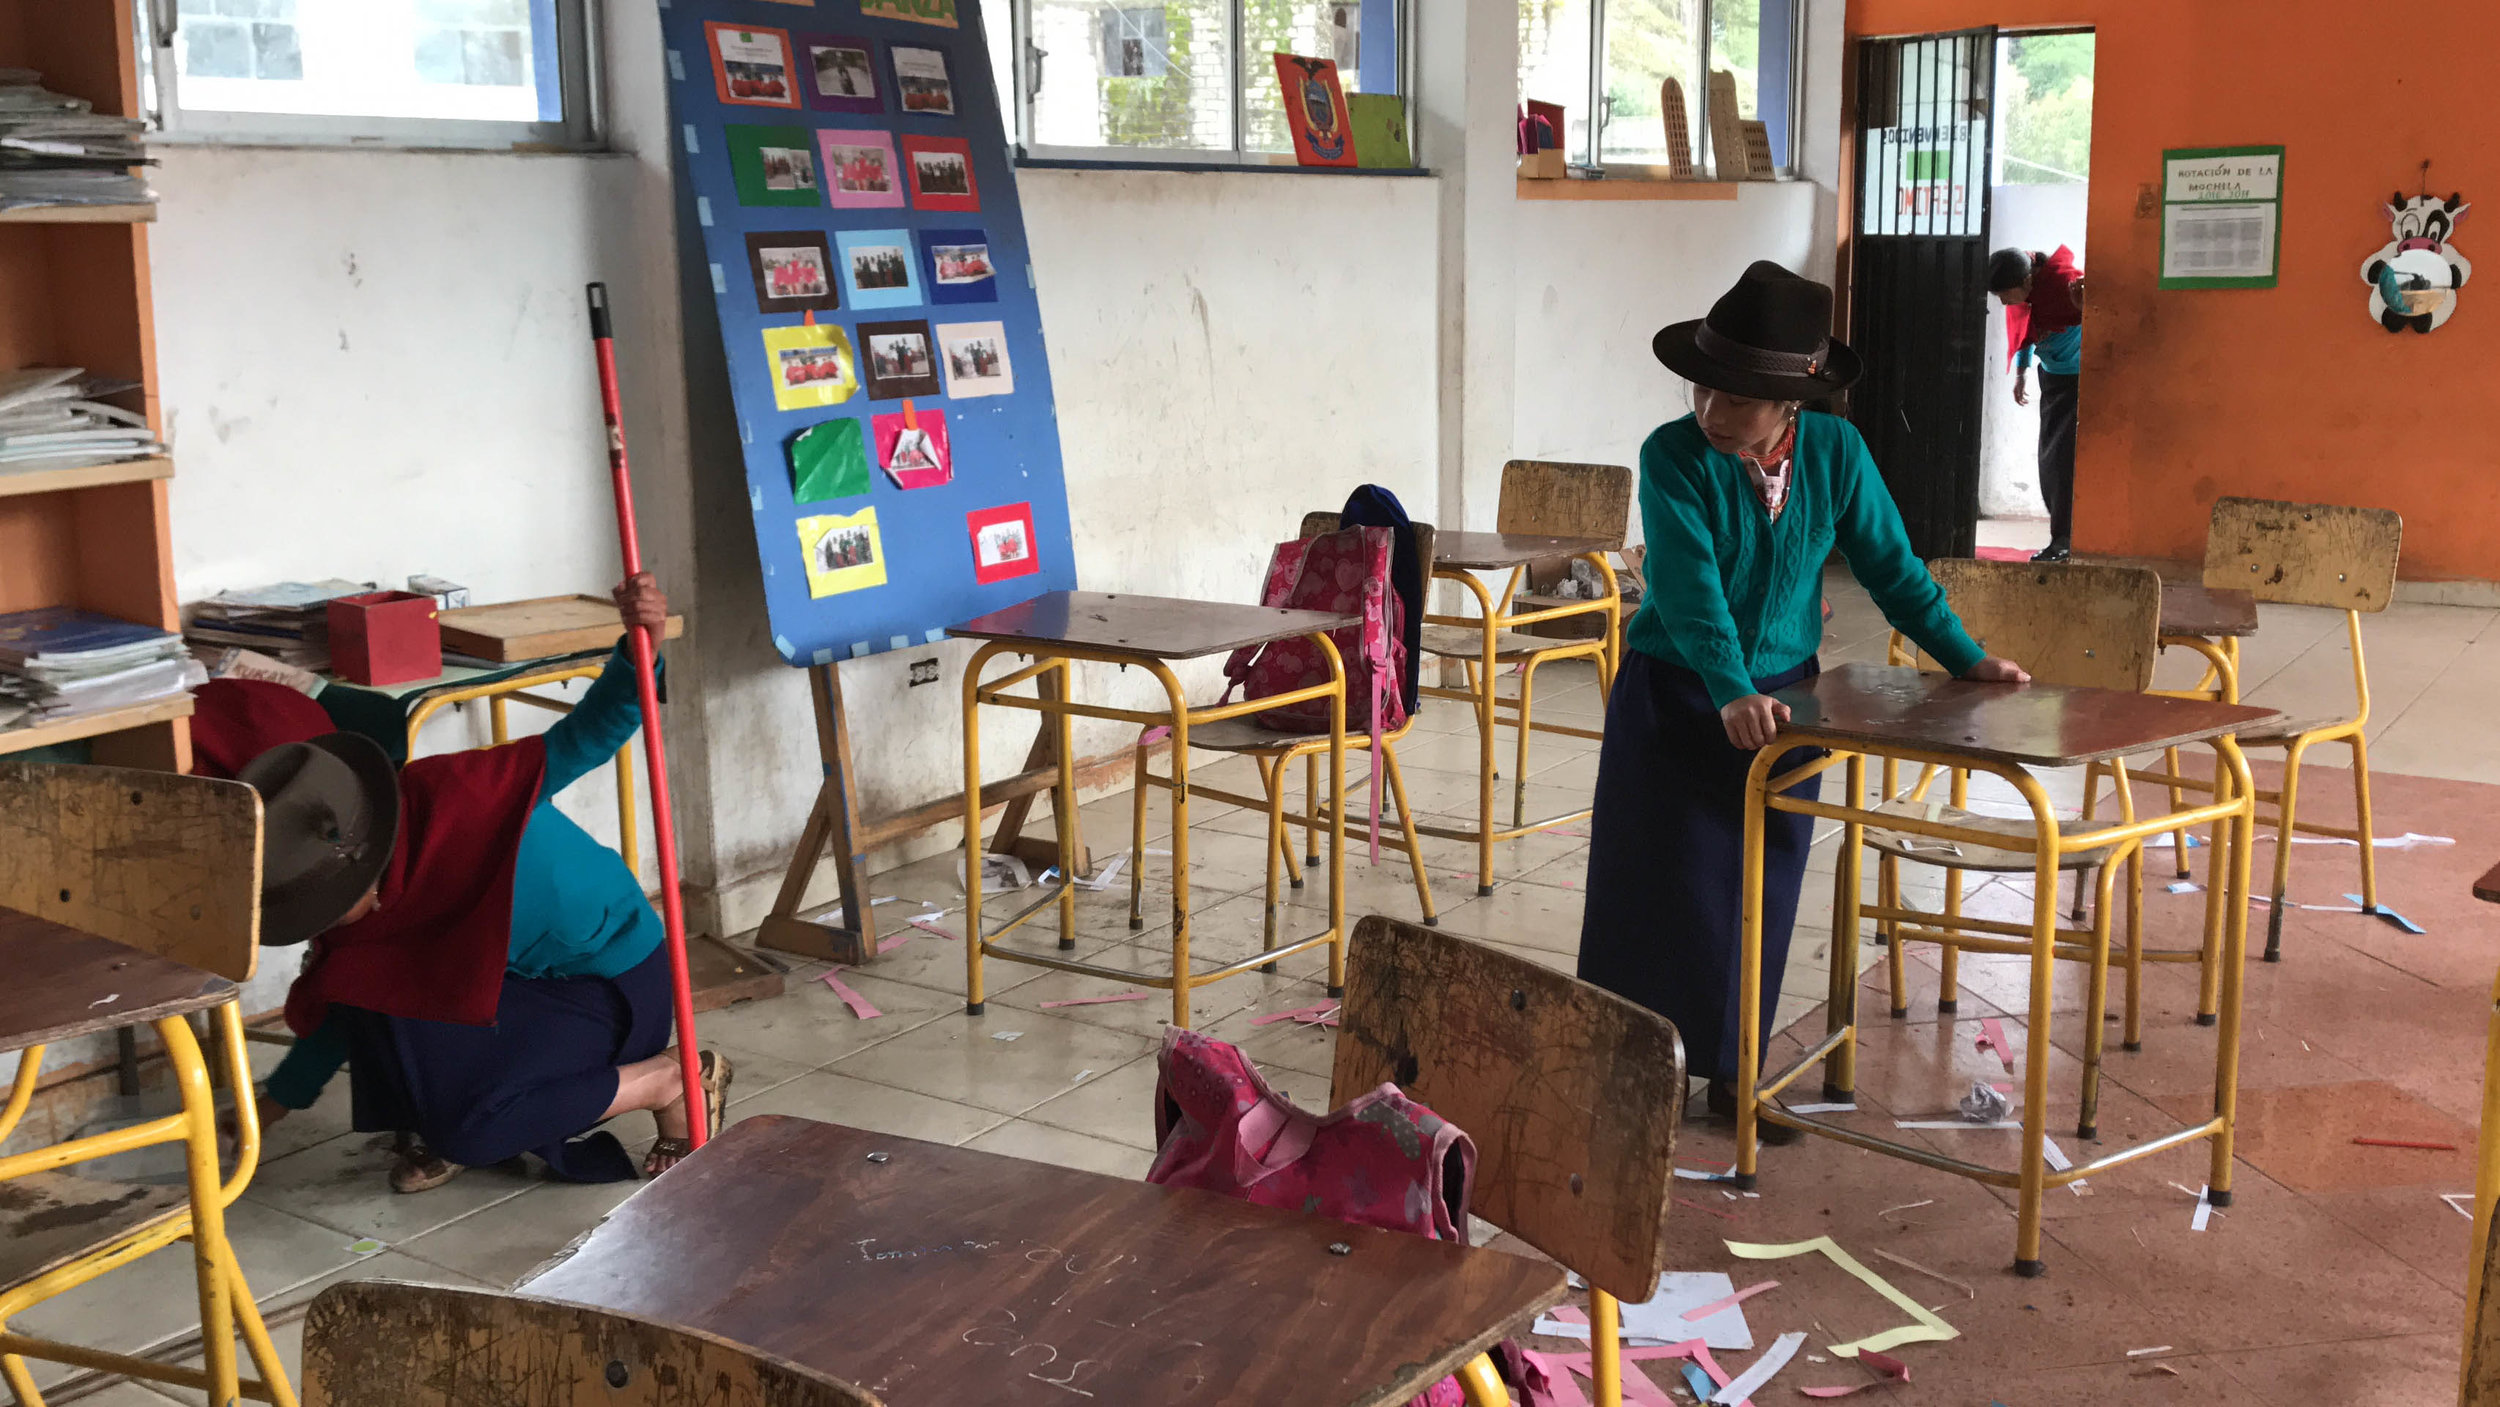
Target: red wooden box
pixel 385 637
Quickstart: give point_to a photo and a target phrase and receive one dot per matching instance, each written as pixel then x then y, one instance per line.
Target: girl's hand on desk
pixel 1997 671
pixel 1753 720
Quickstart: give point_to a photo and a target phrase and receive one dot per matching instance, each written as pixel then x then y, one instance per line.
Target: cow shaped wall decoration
pixel 2414 279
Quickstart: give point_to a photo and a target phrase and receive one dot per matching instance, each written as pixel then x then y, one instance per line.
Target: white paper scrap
pixel 1954 1124
pixel 1774 1358
pixel 2148 1352
pixel 1846 1107
pixel 1697 1175
pixel 2187 886
pixel 1005 1035
pixel 2459 1202
pixel 2204 1209
pixel 2057 1159
pixel 1660 1320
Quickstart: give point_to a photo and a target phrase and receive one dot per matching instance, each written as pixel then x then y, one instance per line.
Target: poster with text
pixel 864 244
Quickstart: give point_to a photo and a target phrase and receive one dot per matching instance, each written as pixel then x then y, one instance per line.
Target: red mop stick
pixel 645 644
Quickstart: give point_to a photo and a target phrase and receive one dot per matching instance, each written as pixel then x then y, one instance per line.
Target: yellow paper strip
pixel 1928 1329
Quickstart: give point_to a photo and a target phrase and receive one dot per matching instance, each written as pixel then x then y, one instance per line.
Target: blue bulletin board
pixel 846 167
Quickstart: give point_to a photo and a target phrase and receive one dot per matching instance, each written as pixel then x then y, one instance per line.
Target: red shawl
pixel 435 949
pixel 2051 307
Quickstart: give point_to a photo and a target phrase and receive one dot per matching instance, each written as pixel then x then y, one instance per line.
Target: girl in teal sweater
pixel 1742 502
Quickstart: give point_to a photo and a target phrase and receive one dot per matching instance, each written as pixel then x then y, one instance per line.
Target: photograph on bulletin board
pixel 793 271
pixel 811 365
pixel 975 354
pixel 752 66
pixel 912 448
pixel 1002 542
pixel 828 461
pixel 936 12
pixel 901 361
pixel 774 165
pixel 956 266
pixel 860 168
pixel 878 268
pixel 842 73
pixel 844 552
pixel 941 173
pixel 922 85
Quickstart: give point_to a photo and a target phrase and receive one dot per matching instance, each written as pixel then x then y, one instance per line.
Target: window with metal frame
pixel 1158 82
pixel 1608 59
pixel 489 74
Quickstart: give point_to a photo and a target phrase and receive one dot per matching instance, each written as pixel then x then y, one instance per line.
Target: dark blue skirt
pixel 1666 860
pixel 534 1082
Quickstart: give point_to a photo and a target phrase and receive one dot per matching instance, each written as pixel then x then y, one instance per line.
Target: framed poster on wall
pixel 831 232
pixel 2221 217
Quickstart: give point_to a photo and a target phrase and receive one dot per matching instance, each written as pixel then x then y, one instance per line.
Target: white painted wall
pixel 2027 217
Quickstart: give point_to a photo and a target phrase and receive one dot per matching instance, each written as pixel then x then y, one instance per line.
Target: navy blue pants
pixel 534 1082
pixel 1663 925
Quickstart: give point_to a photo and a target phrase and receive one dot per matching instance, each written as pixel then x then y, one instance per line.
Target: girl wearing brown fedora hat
pixel 1742 502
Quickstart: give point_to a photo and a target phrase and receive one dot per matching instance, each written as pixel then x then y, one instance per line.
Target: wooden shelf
pixel 70 730
pixel 78 215
pixel 1628 190
pixel 85 476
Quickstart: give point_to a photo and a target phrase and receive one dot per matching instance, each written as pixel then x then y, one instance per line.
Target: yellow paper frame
pixel 811 336
pixel 1928 1329
pixel 824 580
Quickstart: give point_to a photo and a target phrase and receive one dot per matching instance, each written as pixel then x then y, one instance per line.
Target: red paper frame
pixel 992 517
pixel 921 200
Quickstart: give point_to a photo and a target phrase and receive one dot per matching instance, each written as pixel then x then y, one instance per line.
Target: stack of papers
pixel 59 663
pixel 288 621
pixel 57 150
pixel 51 417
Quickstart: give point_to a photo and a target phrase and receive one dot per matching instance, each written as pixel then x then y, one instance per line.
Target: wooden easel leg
pixel 833 820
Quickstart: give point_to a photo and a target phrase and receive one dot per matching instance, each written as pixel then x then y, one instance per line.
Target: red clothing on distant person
pixel 2050 309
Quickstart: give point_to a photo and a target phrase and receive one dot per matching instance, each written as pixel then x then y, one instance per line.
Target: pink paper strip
pixel 1992 1033
pixel 1571 1314
pixel 859 1005
pixel 1891 1370
pixel 1314 1012
pixel 1637 1386
pixel 930 927
pixel 1152 736
pixel 1703 1311
pixel 1556 1388
pixel 890 944
pixel 1098 1001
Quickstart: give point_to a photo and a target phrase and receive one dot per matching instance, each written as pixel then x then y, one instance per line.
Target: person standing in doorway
pixel 2043 298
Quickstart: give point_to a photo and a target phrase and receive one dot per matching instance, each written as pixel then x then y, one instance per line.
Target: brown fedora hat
pixel 330 811
pixel 1769 337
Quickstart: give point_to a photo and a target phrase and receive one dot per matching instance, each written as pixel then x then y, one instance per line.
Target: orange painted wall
pixel 2289 392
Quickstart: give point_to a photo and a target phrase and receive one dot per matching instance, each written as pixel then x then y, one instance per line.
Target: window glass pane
pixel 1361 35
pixel 2044 97
pixel 1754 41
pixel 1554 64
pixel 1133 75
pixel 1647 42
pixel 482 60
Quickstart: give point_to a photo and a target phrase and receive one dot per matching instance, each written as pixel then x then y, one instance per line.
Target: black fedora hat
pixel 1769 337
pixel 330 811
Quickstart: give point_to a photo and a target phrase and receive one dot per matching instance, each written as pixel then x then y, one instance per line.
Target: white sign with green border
pixel 2221 217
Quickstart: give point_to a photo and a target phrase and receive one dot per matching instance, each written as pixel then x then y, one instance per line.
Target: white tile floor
pixel 1076 1086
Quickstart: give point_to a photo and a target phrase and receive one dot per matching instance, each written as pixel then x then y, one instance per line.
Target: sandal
pixel 714 1079
pixel 419 1169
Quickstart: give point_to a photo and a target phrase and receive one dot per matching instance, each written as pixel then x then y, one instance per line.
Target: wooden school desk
pixel 2210 620
pixel 1055 630
pixel 1459 556
pixel 938 1277
pixel 1888 711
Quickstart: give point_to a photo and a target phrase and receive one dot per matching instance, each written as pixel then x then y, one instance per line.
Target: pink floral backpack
pixel 1339 572
pixel 1383 1160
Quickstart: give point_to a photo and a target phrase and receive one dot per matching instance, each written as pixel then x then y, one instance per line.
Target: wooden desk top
pixel 2037 725
pixel 2488 887
pixel 1497 551
pixel 64 982
pixel 2188 608
pixel 945 1276
pixel 1150 627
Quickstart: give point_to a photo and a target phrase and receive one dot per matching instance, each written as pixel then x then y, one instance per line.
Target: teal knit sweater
pixel 1734 596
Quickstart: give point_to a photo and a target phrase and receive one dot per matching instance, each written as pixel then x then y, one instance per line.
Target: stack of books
pixel 58 663
pixel 54 417
pixel 288 621
pixel 57 150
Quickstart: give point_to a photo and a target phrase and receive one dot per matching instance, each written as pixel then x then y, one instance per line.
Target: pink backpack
pixel 1383 1160
pixel 1337 572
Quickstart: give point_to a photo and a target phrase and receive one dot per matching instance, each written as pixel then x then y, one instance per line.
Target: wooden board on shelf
pixel 79 215
pixel 84 476
pixel 511 631
pixel 1612 189
pixel 90 725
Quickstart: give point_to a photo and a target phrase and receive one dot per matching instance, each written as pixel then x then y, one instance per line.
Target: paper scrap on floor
pixel 1660 1320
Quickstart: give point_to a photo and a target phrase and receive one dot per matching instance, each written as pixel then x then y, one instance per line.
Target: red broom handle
pixel 644 643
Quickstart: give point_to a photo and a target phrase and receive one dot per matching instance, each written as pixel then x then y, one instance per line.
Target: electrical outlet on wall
pixel 923 672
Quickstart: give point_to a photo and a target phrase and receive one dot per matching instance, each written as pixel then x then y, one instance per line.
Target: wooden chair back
pixel 1550 498
pixel 1322 524
pixel 2305 554
pixel 387 1343
pixel 2074 623
pixel 165 863
pixel 1570 1092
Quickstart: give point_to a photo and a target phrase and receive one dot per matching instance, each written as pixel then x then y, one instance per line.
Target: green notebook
pixel 1379 121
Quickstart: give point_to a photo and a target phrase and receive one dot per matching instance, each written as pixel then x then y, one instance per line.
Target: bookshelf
pixel 74 292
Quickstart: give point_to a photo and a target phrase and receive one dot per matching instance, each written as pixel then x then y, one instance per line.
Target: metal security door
pixel 1918 304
